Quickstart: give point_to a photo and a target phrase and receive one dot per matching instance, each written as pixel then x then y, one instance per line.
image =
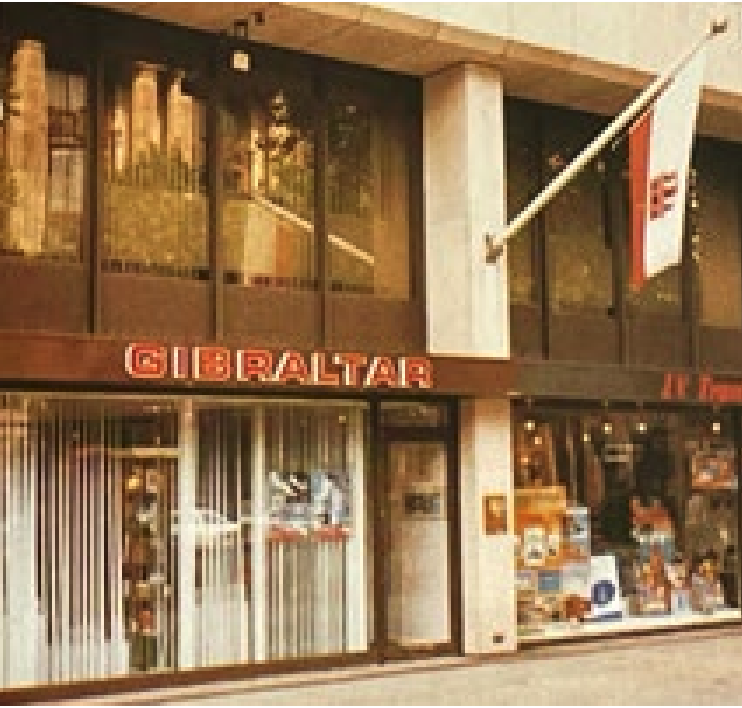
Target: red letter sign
pixel 212 364
pixel 146 361
pixel 254 364
pixel 415 370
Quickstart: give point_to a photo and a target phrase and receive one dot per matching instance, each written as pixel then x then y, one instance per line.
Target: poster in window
pixel 424 502
pixel 714 469
pixel 494 514
pixel 539 526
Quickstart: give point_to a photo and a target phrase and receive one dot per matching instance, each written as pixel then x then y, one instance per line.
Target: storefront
pixel 627 511
pixel 176 520
pixel 263 404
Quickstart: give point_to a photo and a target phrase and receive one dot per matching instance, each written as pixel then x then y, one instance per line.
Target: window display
pixel 162 534
pixel 624 519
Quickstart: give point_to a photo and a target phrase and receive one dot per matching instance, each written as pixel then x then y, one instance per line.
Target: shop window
pixel 43 155
pixel 368 189
pixel 624 520
pixel 580 257
pixel 157 535
pixel 521 132
pixel 155 204
pixel 718 224
pixel 268 200
pixel 314 491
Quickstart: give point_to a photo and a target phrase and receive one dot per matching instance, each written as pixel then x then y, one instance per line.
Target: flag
pixel 660 144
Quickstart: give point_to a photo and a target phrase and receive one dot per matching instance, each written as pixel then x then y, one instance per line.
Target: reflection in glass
pixel 368 195
pixel 718 219
pixel 267 144
pixel 155 205
pixel 522 185
pixel 43 156
pixel 580 260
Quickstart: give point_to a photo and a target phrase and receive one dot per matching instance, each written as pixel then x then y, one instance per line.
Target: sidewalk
pixel 698 668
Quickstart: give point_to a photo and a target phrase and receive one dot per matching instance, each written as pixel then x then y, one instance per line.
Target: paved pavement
pixel 691 668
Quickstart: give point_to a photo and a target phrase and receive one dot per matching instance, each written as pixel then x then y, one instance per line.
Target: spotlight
pixel 240 61
pixel 716 427
pixel 530 425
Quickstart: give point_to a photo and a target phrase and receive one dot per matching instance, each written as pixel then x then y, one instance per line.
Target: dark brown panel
pixel 493 378
pixel 271 317
pixel 525 331
pixel 368 323
pixel 583 337
pixel 159 307
pixel 43 296
pixel 100 360
pixel 583 381
pixel 721 348
pixel 654 341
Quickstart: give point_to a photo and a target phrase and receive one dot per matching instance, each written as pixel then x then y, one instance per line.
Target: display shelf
pixel 564 630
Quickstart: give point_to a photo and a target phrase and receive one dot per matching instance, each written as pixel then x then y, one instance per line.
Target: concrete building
pixel 265 405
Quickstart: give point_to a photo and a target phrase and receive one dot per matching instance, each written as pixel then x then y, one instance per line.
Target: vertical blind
pixel 156 535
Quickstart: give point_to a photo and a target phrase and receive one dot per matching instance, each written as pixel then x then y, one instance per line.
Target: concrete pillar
pixel 488 562
pixel 464 199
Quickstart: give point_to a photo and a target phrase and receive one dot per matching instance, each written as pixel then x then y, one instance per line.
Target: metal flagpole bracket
pixel 719 25
pixel 493 248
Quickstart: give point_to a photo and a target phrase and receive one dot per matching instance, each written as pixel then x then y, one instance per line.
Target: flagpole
pixel 494 244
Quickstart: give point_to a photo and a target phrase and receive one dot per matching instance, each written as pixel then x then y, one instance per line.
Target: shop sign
pixel 681 386
pixel 151 361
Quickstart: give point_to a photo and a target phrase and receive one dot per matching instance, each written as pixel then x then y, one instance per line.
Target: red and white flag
pixel 660 144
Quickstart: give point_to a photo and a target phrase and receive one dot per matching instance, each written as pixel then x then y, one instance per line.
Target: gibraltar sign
pixel 215 364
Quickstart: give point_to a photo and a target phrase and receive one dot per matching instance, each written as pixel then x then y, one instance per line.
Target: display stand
pixel 147 473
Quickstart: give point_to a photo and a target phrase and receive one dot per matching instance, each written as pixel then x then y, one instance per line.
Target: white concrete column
pixel 488 562
pixel 464 199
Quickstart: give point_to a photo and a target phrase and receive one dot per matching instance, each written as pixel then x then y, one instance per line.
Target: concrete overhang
pixel 391 40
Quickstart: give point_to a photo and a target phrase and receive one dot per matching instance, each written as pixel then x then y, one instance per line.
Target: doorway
pixel 417 556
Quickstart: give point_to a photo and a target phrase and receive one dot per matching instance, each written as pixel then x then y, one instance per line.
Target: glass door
pixel 416 551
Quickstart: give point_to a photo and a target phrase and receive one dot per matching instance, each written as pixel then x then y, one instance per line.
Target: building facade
pixel 264 406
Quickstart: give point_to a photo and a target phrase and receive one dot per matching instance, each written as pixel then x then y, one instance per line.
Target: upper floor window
pixel 580 263
pixel 522 184
pixel 718 225
pixel 43 154
pixel 367 190
pixel 267 140
pixel 269 136
pixel 155 202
